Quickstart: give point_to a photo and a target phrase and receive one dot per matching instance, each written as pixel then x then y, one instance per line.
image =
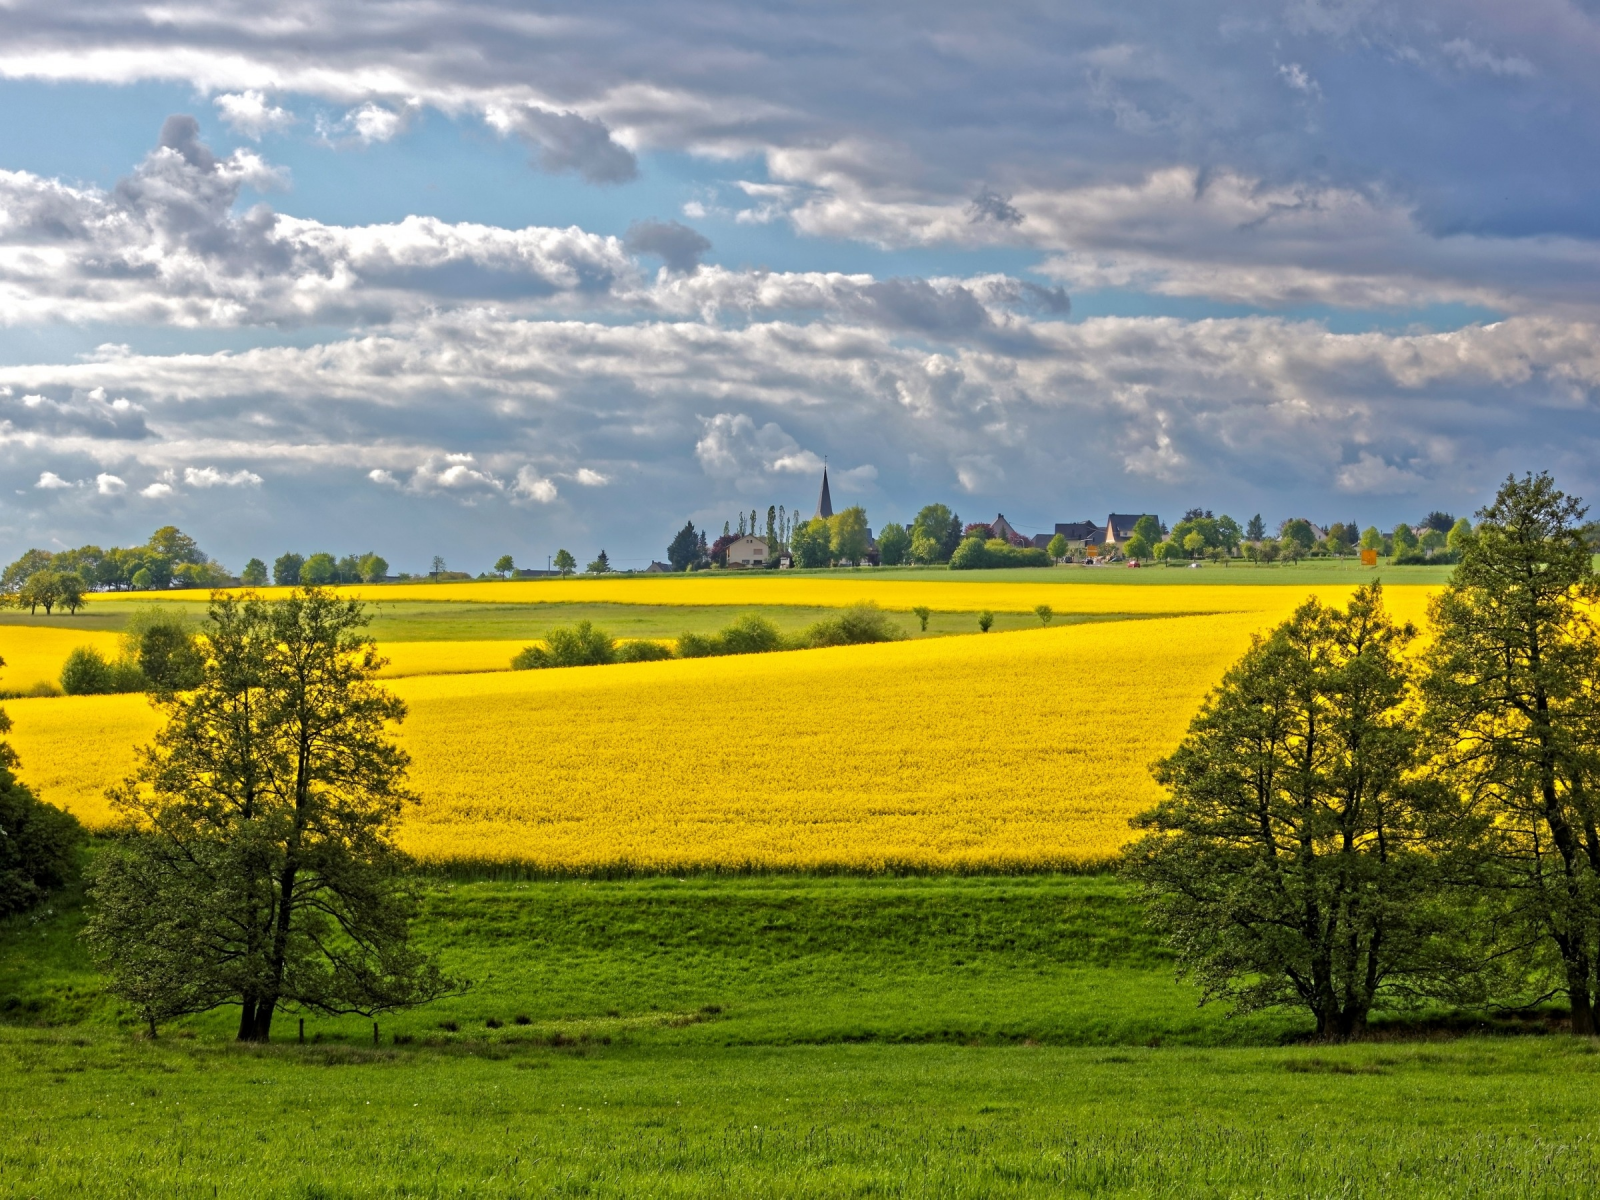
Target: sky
pixel 464 279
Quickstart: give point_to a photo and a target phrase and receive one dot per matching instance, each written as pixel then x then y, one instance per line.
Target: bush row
pixel 583 645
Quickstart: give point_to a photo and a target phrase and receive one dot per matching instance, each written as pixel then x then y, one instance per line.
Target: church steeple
pixel 825 501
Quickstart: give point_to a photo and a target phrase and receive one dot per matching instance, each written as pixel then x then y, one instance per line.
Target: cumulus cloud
pixel 675 244
pixel 591 478
pixel 531 486
pixel 109 485
pixel 250 113
pixel 210 477
pixel 169 244
pixel 157 491
pixel 50 481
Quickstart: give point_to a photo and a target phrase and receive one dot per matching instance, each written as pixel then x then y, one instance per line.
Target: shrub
pixel 580 646
pixel 87 673
pixel 643 651
pixel 750 634
pixel 38 841
pixel 855 626
pixel 163 644
pixel 985 620
pixel 975 554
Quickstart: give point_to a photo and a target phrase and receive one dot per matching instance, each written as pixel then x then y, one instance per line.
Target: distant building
pixel 824 501
pixel 1078 534
pixel 1004 530
pixel 749 551
pixel 1119 526
pixel 658 568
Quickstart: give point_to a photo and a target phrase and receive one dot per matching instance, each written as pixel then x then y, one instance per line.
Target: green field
pixel 454 620
pixel 775 1036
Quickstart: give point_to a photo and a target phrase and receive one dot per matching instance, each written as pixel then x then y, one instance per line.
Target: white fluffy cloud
pixel 251 114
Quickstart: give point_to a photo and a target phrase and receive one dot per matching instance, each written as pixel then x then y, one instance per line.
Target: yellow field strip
pixel 827 591
pixel 34 654
pixel 984 751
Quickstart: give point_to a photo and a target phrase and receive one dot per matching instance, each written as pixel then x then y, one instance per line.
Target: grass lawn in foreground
pixel 773 1036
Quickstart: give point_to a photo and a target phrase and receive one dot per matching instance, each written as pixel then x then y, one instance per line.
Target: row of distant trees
pixel 316 570
pixel 46 579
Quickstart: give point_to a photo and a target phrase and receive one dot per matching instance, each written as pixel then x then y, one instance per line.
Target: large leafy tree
pixel 847 534
pixel 940 531
pixel 257 865
pixel 1292 862
pixel 684 549
pixel 1513 695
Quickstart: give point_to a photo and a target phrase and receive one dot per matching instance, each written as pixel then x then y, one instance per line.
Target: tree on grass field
pixel 565 563
pixel 812 543
pixel 600 565
pixel 922 612
pixel 1057 549
pixel 940 530
pixel 1513 693
pixel 1293 862
pixel 256 864
pixel 286 569
pixel 254 573
pixel 1044 612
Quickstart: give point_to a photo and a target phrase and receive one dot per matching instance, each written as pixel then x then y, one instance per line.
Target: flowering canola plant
pixel 996 751
pixel 35 653
pixel 1065 590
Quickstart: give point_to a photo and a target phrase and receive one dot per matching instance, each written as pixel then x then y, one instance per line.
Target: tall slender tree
pixel 1513 701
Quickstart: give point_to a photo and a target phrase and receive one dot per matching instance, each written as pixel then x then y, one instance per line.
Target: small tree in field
pixel 1293 861
pixel 565 563
pixel 1044 612
pixel 257 865
pixel 922 612
pixel 504 565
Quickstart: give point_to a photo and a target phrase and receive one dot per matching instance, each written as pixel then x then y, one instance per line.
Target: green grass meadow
pixel 776 1036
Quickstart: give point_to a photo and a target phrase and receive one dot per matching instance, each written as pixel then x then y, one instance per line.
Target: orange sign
pixel 1369 558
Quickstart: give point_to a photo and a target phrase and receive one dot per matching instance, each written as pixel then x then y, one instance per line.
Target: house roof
pixel 1079 531
pixel 1119 526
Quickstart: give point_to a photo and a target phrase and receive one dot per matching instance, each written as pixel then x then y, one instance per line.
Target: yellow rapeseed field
pixel 34 653
pixel 1067 590
pixel 979 751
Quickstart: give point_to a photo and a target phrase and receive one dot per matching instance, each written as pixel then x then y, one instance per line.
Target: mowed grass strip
pixel 782 1036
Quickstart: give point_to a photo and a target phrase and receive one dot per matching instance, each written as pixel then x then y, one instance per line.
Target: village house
pixel 748 552
pixel 1119 527
pixel 1078 534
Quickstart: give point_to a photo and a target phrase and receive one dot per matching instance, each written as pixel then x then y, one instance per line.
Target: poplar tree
pixel 1513 695
pixel 257 864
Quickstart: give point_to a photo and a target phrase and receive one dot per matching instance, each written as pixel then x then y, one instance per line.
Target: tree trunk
pixel 1579 996
pixel 247 1019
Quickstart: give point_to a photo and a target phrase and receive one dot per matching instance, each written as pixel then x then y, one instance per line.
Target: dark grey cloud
pixel 674 243
pixel 567 141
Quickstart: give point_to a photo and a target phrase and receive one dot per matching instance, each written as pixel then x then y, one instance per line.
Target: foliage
pixel 750 634
pixel 319 570
pixel 975 554
pixel 922 612
pixel 166 648
pixel 847 535
pixel 254 573
pixel 87 672
pixel 286 569
pixel 812 543
pixel 894 545
pixel 1513 691
pixel 940 530
pixel 581 645
pixel 642 650
pixel 1137 547
pixel 1255 529
pixel 857 625
pixel 50 589
pixel 1403 542
pixel 1044 612
pixel 1293 861
pixel 38 842
pixel 1456 539
pixel 1057 549
pixel 256 864
pixel 600 566
pixel 985 620
pixel 169 555
pixel 684 549
pixel 565 564
pixel 504 565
